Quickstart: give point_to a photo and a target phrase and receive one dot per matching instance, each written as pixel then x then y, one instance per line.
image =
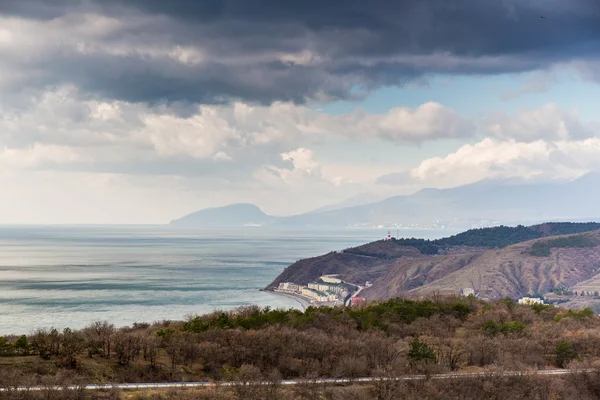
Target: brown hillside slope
pixel 350 267
pixel 408 274
pixel 355 265
pixel 511 271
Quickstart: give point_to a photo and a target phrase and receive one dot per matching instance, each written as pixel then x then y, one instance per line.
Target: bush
pixel 585 313
pixel 492 328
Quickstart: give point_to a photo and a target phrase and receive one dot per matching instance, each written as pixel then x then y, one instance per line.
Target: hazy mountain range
pixel 489 202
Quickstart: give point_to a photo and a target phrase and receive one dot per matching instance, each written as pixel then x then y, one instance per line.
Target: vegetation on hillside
pixel 392 338
pixel 542 248
pixel 497 237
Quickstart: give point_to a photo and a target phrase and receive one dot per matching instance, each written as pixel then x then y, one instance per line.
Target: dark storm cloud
pixel 346 44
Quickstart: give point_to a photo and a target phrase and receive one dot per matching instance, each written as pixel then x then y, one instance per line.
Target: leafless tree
pixel 71 344
pixel 246 382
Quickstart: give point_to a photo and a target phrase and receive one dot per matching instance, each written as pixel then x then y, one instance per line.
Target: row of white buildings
pixel 326 289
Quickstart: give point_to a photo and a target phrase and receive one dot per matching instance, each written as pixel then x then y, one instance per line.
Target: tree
pixel 22 345
pixel 451 352
pixel 71 345
pixel 564 353
pixel 245 382
pixel 54 337
pixel 41 342
pixel 420 352
pixel 150 348
pixel 6 347
pixel 128 346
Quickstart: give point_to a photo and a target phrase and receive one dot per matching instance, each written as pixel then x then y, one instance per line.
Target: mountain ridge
pixel 489 202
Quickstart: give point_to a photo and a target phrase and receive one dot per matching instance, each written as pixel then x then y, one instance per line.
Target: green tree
pixel 22 345
pixel 564 353
pixel 420 353
pixel 6 347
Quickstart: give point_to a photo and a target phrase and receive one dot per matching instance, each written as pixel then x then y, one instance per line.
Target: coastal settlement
pixel 328 290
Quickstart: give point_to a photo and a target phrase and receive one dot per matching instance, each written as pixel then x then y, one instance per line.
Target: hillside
pixel 351 268
pixel 509 272
pixel 496 262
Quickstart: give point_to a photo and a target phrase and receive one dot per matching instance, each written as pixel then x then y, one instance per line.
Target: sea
pixel 70 276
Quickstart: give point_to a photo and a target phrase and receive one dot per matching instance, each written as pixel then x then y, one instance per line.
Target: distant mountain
pixel 232 216
pixel 358 200
pixel 493 201
pixel 488 203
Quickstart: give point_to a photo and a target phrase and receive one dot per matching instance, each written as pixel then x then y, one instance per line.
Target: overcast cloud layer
pixel 210 102
pixel 269 50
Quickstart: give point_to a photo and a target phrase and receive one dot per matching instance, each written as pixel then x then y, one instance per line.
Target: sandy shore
pixel 304 302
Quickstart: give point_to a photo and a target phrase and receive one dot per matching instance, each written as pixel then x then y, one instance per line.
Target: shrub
pixel 492 328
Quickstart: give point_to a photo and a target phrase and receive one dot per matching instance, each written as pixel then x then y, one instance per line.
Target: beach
pixel 303 301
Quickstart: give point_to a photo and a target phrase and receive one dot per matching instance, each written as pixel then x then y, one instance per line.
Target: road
pixel 360 288
pixel 132 386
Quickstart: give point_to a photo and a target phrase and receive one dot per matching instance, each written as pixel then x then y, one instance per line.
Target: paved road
pixel 459 375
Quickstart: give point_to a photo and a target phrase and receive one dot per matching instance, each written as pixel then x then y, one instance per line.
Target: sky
pixel 142 111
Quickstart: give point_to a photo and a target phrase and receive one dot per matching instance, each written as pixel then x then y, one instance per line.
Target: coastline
pixel 303 301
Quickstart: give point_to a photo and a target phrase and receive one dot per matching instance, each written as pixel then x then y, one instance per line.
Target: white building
pixel 314 294
pixel 530 300
pixel 330 279
pixel 289 287
pixel 468 292
pixel 342 290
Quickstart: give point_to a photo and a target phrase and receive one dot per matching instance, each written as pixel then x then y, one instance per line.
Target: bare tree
pixel 103 332
pixel 246 382
pixel 128 346
pixel 150 349
pixel 41 343
pixel 71 344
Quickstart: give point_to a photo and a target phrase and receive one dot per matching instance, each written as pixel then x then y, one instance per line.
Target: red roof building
pixel 357 300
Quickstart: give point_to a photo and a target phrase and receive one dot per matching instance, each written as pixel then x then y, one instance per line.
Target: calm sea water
pixel 71 276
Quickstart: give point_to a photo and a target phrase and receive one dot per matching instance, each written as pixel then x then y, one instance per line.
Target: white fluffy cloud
pixel 113 135
pixel 492 158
